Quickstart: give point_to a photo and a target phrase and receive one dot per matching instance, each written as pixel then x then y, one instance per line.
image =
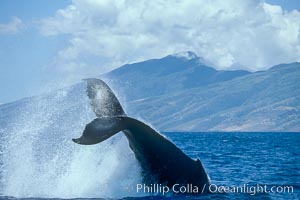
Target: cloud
pixel 12 27
pixel 249 34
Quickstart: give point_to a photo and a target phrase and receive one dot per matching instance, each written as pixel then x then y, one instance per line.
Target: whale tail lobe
pixel 102 99
pixel 99 130
pixel 107 108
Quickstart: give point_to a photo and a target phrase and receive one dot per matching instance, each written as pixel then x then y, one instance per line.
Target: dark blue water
pixel 271 159
pixel 243 160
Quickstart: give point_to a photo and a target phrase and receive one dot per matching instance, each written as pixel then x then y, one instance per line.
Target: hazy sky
pixel 52 43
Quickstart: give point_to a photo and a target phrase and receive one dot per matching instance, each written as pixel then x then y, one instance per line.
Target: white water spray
pixel 39 158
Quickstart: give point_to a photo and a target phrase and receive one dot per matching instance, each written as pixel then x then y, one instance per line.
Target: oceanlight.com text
pixel 250 189
pixel 191 189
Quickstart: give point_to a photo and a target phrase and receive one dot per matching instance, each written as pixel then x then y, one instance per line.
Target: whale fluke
pixel 161 161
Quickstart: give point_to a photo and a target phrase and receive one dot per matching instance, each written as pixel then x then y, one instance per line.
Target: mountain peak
pixel 187 55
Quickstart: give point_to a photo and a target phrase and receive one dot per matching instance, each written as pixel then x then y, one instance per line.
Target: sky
pixel 50 44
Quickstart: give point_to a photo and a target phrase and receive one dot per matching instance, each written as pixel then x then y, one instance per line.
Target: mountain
pixel 183 94
pixel 170 74
pixel 175 93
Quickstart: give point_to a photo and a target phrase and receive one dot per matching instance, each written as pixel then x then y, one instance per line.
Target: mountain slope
pixel 261 101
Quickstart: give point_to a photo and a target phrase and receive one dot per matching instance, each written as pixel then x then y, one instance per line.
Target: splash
pixel 39 159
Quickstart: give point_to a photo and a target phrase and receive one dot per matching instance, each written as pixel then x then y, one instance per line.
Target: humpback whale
pixel 161 161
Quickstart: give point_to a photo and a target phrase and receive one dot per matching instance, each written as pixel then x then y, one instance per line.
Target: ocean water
pixel 238 159
pixel 231 159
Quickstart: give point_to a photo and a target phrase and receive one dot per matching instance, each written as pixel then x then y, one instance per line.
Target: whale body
pixel 160 160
